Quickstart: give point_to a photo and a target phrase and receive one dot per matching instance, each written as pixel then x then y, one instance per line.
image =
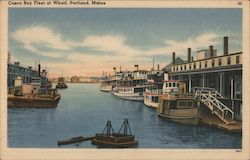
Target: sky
pixel 88 41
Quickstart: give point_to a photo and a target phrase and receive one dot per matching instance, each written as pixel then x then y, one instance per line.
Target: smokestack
pixel 114 69
pixel 225 45
pixel 153 64
pixel 211 51
pixel 137 67
pixel 39 69
pixel 189 54
pixel 9 56
pixel 173 60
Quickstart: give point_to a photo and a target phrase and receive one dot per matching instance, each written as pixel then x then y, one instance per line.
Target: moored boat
pixel 181 109
pixel 107 83
pixel 49 100
pixel 152 94
pixel 159 88
pixel 37 94
pixel 132 85
pixel 176 105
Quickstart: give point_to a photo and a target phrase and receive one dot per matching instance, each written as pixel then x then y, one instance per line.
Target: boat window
pixel 172 105
pixel 173 84
pixel 138 90
pixel 154 99
pixel 185 104
pixel 190 104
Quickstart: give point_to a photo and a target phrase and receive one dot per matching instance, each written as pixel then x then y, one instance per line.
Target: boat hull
pixel 61 86
pixel 106 88
pixel 30 102
pixel 148 100
pixel 129 96
pixel 183 116
pixel 150 104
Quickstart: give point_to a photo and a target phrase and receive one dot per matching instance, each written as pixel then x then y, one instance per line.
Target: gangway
pixel 208 96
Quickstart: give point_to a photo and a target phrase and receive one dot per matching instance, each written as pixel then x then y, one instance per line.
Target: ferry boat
pixel 37 94
pixel 132 86
pixel 177 105
pixel 152 93
pixel 107 84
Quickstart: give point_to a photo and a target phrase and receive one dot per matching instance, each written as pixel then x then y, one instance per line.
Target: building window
pixel 185 67
pixel 200 64
pixel 181 67
pixel 228 60
pixel 205 64
pixel 237 59
pixel 213 62
pixel 194 65
pixel 219 62
pixel 189 66
pixel 177 68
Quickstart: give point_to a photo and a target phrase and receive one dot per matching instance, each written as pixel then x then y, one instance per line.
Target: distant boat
pixel 108 138
pixel 61 83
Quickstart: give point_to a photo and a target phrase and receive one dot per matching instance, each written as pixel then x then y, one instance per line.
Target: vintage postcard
pixel 103 79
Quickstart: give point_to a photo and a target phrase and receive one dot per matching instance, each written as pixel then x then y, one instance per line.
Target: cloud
pixel 98 53
pixel 110 43
pixel 180 47
pixel 43 36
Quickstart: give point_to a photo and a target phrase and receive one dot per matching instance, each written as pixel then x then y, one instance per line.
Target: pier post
pixel 189 83
pixel 203 80
pixel 232 92
pixel 221 74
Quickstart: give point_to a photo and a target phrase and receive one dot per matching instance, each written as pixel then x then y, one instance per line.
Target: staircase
pixel 208 96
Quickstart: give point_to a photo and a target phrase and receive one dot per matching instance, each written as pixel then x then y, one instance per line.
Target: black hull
pixel 24 102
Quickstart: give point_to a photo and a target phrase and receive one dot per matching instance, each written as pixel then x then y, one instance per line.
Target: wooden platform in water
pixel 213 121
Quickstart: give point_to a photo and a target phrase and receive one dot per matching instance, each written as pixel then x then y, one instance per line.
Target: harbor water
pixel 84 110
